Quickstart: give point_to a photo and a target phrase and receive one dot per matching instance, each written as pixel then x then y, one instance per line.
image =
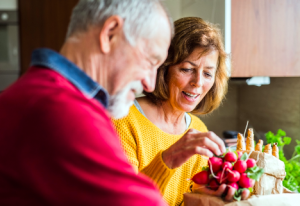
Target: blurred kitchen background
pixel 262 36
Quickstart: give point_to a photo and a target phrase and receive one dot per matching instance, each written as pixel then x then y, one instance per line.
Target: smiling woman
pixel 159 135
pixel 190 80
pixel 192 33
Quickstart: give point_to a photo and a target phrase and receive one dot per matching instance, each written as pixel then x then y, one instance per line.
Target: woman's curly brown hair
pixel 192 32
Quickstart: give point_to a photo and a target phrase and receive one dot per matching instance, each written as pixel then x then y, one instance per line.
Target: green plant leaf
pixel 250 189
pixel 205 168
pixel 244 157
pixel 281 133
pixel 281 155
pixel 279 141
pixel 238 194
pixel 298 142
pixel 255 172
pixel 296 166
pixel 237 197
pixel 287 140
pixel 253 169
pixel 297 148
pixel 256 176
pixel 269 136
pixel 288 167
pixel 221 156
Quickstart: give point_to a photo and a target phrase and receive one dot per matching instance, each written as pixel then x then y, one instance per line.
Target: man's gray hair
pixel 140 16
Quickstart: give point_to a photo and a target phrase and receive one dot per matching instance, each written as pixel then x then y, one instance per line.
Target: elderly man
pixel 57 144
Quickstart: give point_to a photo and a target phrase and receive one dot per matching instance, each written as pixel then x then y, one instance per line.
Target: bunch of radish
pixel 234 169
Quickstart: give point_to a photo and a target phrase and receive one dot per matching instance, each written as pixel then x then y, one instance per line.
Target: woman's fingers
pixel 204 151
pixel 198 150
pixel 206 142
pixel 207 139
pixel 230 194
pixel 220 190
pixel 217 140
pixel 204 190
pixel 245 194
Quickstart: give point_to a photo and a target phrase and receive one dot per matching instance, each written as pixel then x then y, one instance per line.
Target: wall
pixel 8 4
pixel 209 10
pixel 174 7
pixel 268 108
pixel 225 117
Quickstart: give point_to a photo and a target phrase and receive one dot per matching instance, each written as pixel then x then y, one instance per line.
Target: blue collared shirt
pixel 53 60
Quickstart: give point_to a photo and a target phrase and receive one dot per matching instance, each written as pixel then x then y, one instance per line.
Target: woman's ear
pixel 111 31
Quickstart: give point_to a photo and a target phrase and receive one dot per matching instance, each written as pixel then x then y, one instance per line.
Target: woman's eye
pixel 208 74
pixel 185 70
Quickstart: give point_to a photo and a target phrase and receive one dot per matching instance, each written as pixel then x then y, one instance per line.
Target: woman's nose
pixel 198 80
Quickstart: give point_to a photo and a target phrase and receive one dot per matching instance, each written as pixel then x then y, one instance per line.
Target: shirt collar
pixel 53 60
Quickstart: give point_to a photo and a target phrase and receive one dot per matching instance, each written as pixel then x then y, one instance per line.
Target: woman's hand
pixel 230 193
pixel 193 142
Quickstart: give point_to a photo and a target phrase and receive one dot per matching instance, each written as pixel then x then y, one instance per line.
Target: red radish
pixel 201 178
pixel 215 163
pixel 213 184
pixel 239 154
pixel 221 178
pixel 245 181
pixel 230 157
pixel 233 176
pixel 218 178
pixel 251 162
pixel 234 185
pixel 227 165
pixel 240 166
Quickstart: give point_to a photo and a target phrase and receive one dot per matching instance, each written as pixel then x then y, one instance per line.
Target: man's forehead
pixel 156 47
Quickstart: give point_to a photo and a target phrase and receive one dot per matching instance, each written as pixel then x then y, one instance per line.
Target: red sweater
pixel 57 147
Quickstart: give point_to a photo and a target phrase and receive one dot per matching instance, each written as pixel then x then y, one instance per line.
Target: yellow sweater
pixel 144 143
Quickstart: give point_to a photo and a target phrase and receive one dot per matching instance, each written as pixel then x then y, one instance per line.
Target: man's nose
pixel 149 81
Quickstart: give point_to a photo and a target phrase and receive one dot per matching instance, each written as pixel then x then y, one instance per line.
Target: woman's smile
pixel 190 96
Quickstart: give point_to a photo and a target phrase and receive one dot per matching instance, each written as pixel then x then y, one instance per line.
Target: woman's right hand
pixel 193 142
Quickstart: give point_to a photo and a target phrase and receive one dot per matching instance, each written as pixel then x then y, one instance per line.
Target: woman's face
pixel 190 80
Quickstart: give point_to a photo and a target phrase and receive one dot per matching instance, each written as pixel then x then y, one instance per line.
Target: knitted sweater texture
pixel 144 143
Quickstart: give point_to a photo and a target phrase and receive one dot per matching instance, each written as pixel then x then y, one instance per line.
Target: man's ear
pixel 111 29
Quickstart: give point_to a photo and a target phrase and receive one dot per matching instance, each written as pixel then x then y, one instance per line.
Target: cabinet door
pixel 43 23
pixel 265 38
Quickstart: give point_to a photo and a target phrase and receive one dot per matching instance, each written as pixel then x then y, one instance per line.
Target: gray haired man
pixel 57 144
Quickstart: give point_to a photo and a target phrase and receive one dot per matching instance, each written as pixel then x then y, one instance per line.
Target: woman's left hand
pixel 230 193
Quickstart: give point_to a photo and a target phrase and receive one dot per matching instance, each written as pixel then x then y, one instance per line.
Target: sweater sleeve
pixel 157 170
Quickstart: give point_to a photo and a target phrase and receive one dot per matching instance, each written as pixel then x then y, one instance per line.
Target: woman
pixel 159 136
